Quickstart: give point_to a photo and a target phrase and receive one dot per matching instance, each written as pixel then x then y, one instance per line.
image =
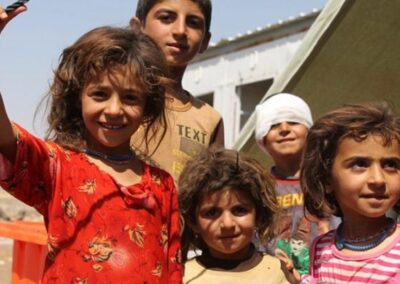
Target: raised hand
pixel 7 17
pixel 294 275
pixel 8 137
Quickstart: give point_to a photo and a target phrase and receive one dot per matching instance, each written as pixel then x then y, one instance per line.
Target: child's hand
pixel 5 18
pixel 291 273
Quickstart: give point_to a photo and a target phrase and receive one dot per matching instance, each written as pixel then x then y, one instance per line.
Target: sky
pixel 31 44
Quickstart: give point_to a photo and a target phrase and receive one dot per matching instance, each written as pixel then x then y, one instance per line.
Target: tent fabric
pixel 349 55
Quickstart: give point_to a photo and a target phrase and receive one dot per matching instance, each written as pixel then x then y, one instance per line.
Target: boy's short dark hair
pixel 144 6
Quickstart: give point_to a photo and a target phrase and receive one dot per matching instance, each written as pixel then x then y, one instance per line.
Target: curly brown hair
pixel 350 121
pixel 104 49
pixel 216 169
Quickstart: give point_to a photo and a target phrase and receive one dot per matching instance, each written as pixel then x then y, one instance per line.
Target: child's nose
pixel 226 221
pixel 376 175
pixel 114 106
pixel 179 27
pixel 284 127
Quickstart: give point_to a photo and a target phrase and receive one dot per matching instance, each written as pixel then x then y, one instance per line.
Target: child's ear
pixel 205 42
pixel 135 23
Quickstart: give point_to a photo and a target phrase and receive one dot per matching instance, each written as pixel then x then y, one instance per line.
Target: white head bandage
pixel 279 108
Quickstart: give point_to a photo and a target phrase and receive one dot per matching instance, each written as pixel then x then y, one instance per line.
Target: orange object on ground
pixel 29 252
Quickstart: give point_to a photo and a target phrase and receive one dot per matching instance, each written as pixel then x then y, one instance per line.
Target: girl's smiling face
pixel 365 177
pixel 112 110
pixel 226 221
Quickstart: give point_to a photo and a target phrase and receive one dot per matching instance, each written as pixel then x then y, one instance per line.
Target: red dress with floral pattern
pixel 98 230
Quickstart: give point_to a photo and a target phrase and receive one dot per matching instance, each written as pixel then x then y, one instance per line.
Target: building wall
pixel 236 81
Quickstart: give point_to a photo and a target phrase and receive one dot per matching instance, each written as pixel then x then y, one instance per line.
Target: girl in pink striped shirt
pixel 351 169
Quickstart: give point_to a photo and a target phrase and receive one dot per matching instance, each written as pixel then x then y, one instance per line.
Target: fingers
pixel 3 14
pixel 5 18
pixel 288 263
pixel 281 255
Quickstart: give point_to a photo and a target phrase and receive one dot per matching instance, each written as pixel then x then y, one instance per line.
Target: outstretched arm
pixel 8 136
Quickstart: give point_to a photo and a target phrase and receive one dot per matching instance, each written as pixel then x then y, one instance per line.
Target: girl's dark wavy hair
pixel 216 169
pixel 104 49
pixel 144 6
pixel 357 122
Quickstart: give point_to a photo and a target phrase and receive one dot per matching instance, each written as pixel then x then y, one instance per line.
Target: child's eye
pixel 166 17
pixel 130 99
pixel 211 213
pixel 391 164
pixel 99 95
pixel 273 126
pixel 239 210
pixel 359 164
pixel 195 22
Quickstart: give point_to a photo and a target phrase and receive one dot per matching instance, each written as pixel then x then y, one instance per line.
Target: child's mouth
pixel 177 46
pixel 229 237
pixel 111 126
pixel 286 140
pixel 375 196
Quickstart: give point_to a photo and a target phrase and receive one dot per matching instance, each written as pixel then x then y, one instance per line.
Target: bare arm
pixel 8 135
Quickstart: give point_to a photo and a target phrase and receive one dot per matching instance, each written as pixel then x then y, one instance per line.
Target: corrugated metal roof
pixel 259 35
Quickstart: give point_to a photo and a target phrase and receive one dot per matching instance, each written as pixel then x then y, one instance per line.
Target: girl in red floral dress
pixel 110 217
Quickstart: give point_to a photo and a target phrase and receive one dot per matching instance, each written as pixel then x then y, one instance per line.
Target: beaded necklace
pixel 116 159
pixel 374 240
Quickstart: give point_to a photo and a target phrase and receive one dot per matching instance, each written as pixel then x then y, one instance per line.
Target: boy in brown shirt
pixel 181 28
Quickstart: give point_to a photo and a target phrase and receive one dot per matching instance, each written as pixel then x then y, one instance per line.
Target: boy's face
pixel 285 139
pixel 178 27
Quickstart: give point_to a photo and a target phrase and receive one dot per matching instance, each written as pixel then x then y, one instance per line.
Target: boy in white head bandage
pixel 279 108
pixel 282 123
